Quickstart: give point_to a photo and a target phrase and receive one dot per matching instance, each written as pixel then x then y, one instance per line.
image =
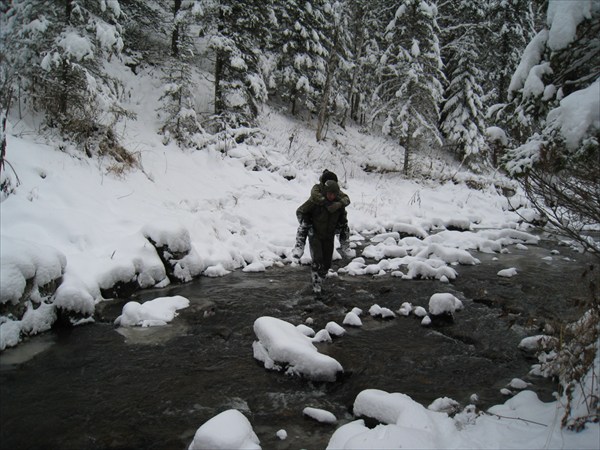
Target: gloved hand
pixel 334 207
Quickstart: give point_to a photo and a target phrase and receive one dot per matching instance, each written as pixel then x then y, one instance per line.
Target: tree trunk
pixel 406 145
pixel 354 98
pixel 331 66
pixel 68 10
pixel 323 114
pixel 219 106
pixel 175 35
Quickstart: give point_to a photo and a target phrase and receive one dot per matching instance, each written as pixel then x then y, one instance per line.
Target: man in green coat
pixel 324 219
pixel 317 195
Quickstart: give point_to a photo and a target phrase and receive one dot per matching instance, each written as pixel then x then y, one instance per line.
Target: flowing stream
pixel 101 387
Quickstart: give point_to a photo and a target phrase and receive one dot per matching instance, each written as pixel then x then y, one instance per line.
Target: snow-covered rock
pixel 281 346
pixel 226 431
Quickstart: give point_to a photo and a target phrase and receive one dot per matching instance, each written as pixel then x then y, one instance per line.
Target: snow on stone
pixel 405 309
pixel 320 415
pixel 334 329
pixel 282 434
pixel 448 255
pixel 517 383
pixel 352 319
pixel 280 344
pixel 306 330
pixel 407 424
pixel 444 303
pixel 420 311
pixel 379 311
pixel 375 310
pixel 322 336
pixel 24 261
pixel 152 313
pixel 216 271
pixel 226 431
pixel 538 342
pixel 444 404
pixel 426 321
pixel 256 266
pixel 357 311
pixel 408 229
pixel 507 273
pixel 424 270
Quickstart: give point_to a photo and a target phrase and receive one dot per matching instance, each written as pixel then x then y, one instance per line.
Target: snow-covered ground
pixel 81 222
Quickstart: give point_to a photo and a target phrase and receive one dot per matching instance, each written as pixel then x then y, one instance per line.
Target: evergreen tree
pixel 463 111
pixel 238 33
pixel 410 77
pixel 180 119
pixel 556 97
pixel 337 66
pixel 56 50
pixel 511 27
pixel 302 64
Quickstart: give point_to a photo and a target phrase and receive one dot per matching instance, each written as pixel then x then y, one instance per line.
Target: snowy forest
pixel 482 80
pixel 500 88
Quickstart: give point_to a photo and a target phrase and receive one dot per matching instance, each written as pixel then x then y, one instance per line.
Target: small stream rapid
pixel 98 387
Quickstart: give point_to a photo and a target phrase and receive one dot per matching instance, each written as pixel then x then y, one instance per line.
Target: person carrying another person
pixel 322 220
pixel 317 196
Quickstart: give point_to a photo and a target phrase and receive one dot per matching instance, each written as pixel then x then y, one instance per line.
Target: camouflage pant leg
pixel 343 230
pixel 301 235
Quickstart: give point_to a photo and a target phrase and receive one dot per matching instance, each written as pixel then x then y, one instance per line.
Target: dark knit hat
pixel 332 186
pixel 327 175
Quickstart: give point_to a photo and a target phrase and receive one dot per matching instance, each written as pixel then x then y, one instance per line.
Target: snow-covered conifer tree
pixel 556 95
pixel 338 65
pixel 510 26
pixel 410 77
pixel 463 112
pixel 301 68
pixel 238 33
pixel 179 118
pixel 57 51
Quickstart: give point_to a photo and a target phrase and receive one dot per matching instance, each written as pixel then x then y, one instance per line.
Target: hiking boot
pixel 297 252
pixel 346 251
pixel 317 282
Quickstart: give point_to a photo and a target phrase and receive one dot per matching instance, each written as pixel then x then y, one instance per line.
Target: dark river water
pixel 99 387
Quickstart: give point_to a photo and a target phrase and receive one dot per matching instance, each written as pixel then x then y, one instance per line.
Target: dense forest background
pixel 477 79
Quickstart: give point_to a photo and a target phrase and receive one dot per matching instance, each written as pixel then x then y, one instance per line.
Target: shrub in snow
pixel 282 346
pixel 226 431
pixel 576 363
